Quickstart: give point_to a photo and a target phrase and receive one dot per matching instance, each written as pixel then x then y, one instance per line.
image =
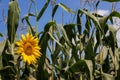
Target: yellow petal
pixel 18 43
pixel 23 37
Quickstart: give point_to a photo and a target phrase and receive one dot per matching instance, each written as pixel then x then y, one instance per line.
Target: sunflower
pixel 28 48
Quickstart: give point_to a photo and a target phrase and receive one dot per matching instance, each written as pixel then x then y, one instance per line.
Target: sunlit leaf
pixel 107 77
pixel 116 62
pixel 103 20
pixel 65 8
pixel 2 45
pixel 103 53
pixel 95 19
pixel 117 59
pixel 55 39
pixel 64 34
pixel 62 6
pixel 90 67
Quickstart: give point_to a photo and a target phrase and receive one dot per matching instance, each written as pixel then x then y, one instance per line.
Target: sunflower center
pixel 28 48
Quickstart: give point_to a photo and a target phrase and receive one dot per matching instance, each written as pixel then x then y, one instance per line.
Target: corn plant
pixel 84 50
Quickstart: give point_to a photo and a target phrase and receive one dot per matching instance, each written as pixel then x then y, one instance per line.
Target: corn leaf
pixel 13 20
pixel 111 0
pixel 65 8
pixel 43 10
pixel 107 77
pixel 1 35
pixel 54 10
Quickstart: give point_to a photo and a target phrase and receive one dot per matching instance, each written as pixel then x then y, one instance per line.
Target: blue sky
pixel 68 18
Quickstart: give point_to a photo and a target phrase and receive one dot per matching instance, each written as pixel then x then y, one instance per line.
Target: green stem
pixel 101 72
pixel 52 63
pixel 101 62
pixel 52 53
pixel 52 73
pixel 36 27
pixel 18 60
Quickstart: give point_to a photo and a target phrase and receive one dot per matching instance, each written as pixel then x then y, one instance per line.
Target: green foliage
pixel 13 19
pixel 8 70
pixel 43 10
pixel 63 7
pixel 2 45
pixel 85 50
pixel 1 35
pixel 26 18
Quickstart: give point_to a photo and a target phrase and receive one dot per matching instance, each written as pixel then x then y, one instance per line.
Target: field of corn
pixel 86 49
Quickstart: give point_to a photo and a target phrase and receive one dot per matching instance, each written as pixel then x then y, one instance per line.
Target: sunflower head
pixel 28 48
